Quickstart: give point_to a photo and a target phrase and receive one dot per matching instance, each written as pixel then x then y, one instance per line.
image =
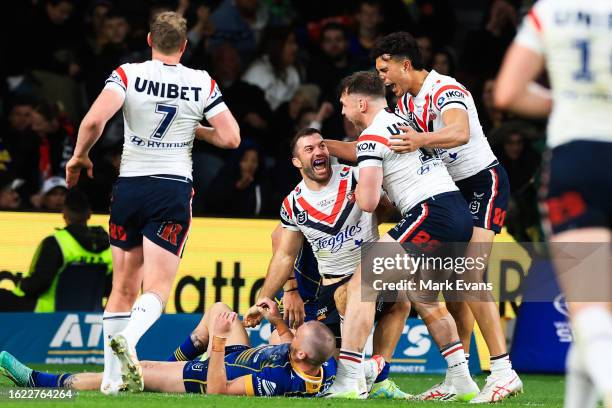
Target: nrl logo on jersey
pixel 301 217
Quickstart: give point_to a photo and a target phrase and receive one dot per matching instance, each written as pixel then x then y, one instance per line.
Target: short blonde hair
pixel 168 32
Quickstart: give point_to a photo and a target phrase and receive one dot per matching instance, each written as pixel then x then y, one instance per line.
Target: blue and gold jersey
pixel 268 371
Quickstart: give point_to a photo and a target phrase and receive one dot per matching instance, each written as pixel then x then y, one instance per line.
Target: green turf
pixel 540 391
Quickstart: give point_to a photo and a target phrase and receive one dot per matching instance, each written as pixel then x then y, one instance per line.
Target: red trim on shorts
pixel 180 250
pixel 416 223
pixel 353 359
pixel 491 202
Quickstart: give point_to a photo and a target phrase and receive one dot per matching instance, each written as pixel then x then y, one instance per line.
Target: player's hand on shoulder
pixel 223 324
pixel 293 309
pixel 406 142
pixel 74 167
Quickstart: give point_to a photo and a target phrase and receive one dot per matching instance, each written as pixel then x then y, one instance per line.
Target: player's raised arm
pixel 343 150
pixel 224 133
pixel 524 61
pixel 92 125
pixel 282 262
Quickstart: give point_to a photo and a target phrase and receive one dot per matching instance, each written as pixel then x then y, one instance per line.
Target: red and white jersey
pixel 424 113
pixel 408 178
pixel 332 223
pixel 575 37
pixel 162 107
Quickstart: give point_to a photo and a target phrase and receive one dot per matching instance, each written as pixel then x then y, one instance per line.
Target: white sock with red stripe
pixel 501 365
pixel 455 358
pixel 350 365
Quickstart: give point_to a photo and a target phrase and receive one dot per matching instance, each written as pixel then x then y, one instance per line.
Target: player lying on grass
pixel 302 366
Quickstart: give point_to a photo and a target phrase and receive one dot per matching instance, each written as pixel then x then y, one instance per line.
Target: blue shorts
pixel 157 207
pixel 578 193
pixel 487 194
pixel 195 372
pixel 327 311
pixel 441 218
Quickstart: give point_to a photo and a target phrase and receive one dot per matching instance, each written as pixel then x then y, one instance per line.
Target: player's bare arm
pixel 514 86
pixel 269 311
pixel 216 381
pixel 343 150
pixel 224 133
pixel 104 107
pixel 279 269
pixel 293 305
pixel 369 188
pixel 456 132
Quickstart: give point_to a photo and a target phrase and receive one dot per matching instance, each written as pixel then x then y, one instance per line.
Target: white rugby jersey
pixel 162 108
pixel 424 113
pixel 331 221
pixel 575 37
pixel 408 178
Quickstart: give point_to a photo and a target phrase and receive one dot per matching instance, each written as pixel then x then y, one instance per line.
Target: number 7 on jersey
pixel 169 112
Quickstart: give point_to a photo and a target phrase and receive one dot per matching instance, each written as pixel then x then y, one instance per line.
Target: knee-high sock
pixel 145 312
pixel 112 323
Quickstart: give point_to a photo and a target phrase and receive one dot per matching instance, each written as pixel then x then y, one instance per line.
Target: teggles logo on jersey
pixel 333 243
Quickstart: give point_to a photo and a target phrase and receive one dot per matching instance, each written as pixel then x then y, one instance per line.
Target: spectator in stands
pixel 368 17
pixel 334 61
pixel 425 44
pixel 274 70
pixel 247 101
pixel 240 188
pixel 21 143
pixel 512 144
pixel 203 28
pixel 97 67
pixel 95 25
pixel 55 142
pixel 484 48
pixel 70 270
pixel 490 117
pixel 52 195
pixel 443 62
pixel 239 22
pixel 9 197
pixel 53 45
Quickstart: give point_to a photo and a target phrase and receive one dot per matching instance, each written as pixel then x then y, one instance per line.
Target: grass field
pixel 540 391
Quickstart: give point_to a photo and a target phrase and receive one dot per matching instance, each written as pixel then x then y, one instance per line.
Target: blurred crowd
pixel 278 64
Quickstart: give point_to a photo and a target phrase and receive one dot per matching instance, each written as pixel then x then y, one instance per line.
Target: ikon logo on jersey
pixel 366 147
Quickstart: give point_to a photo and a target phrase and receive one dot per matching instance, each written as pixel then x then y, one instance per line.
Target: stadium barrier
pixel 225 260
pixel 76 338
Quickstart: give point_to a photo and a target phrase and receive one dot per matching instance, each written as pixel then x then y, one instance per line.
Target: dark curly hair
pixel 399 45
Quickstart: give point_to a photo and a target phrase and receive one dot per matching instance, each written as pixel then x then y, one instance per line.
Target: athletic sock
pixel 455 358
pixel 112 323
pixel 500 364
pixel 145 312
pixel 579 389
pixel 384 374
pixel 186 351
pixel 593 331
pixel 350 365
pixel 46 380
